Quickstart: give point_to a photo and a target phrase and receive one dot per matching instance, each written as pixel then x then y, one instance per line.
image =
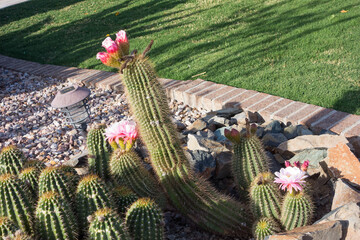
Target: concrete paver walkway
pixel 7 3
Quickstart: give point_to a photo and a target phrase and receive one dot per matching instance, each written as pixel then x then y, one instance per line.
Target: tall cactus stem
pixel 11 160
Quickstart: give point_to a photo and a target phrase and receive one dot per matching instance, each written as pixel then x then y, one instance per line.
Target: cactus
pixel 105 225
pixel 72 176
pixel 92 194
pixel 11 160
pixel 54 179
pixel 191 195
pixel 124 197
pixel 297 210
pixel 15 204
pixel 249 157
pixel 7 227
pixel 265 227
pixel 40 165
pixel 99 151
pixel 144 220
pixel 265 197
pixel 127 169
pixel 55 219
pixel 30 177
pixel 18 235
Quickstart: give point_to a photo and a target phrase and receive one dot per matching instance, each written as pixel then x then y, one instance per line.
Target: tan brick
pixel 84 75
pixel 343 125
pixel 105 83
pixel 118 87
pixel 315 116
pixel 285 112
pixel 264 103
pixel 68 72
pixel 205 96
pixel 219 100
pixel 164 81
pixel 330 121
pixel 252 101
pixel 192 95
pixel 309 110
pixel 171 86
pixel 272 108
pixel 178 92
pixel 29 67
pixel 354 131
pixel 43 68
pixel 91 80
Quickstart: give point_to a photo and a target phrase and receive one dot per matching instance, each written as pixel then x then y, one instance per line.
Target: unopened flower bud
pixel 287 164
pixel 305 165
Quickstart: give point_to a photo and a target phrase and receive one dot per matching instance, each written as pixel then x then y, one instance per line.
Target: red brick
pixel 284 113
pixel 345 124
pixel 264 103
pixel 178 92
pixel 164 81
pixel 315 116
pixel 69 72
pixel 84 75
pixel 29 67
pixel 220 101
pixel 309 110
pixel 192 96
pixel 171 86
pixel 252 101
pixel 268 111
pixel 91 80
pixel 354 131
pixel 105 83
pixel 205 96
pixel 330 121
pixel 119 87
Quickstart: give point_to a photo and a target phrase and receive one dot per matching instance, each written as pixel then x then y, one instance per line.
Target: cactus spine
pixel 265 227
pixel 297 210
pixel 124 197
pixel 92 194
pixel 99 150
pixel 249 157
pixel 30 177
pixel 144 220
pixel 192 196
pixel 265 197
pixel 71 176
pixel 126 169
pixel 15 204
pixel 7 227
pixel 11 160
pixel 105 225
pixel 55 219
pixel 54 179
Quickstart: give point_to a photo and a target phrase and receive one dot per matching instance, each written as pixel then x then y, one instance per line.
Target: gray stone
pixel 228 112
pixel 290 132
pixel 273 139
pixel 255 117
pixel 218 121
pixel 206 134
pixel 223 164
pixel 315 156
pixel 202 162
pixel 198 125
pixel 350 215
pixel 219 134
pixel 303 130
pixel 260 132
pixel 240 118
pixel 179 125
pixel 77 159
pixel 204 144
pixel 274 127
pixel 344 193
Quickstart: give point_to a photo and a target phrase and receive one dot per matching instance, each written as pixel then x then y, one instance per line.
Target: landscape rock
pixel 198 125
pixel 206 134
pixel 228 112
pixel 343 163
pixel 325 231
pixel 223 164
pixel 301 143
pixel 315 156
pixel 219 134
pixel 204 144
pixel 240 118
pixel 273 139
pixel 290 132
pixel 274 127
pixel 218 121
pixel 302 130
pixel 349 214
pixel 344 193
pixel 203 163
pixel 255 117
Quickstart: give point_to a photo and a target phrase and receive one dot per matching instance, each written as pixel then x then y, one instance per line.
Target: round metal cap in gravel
pixel 69 96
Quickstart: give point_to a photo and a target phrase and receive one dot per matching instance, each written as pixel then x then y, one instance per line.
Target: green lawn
pixel 305 50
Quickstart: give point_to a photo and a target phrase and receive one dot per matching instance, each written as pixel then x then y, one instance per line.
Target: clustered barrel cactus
pixel 121 199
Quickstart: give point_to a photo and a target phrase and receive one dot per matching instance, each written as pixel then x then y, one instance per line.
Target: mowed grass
pixel 306 50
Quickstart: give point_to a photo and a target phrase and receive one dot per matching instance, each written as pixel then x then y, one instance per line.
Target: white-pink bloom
pixel 129 130
pixel 290 178
pixel 110 46
pixel 114 132
pixel 122 41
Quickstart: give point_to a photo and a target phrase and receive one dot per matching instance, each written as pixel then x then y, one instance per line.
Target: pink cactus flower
pixel 287 164
pixel 305 165
pixel 129 131
pixel 297 164
pixel 122 41
pixel 104 57
pixel 114 132
pixel 110 46
pixel 290 178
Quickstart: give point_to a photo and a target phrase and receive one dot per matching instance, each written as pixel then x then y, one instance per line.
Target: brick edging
pixel 210 96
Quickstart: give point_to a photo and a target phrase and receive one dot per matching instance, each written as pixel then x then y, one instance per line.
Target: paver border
pixel 211 96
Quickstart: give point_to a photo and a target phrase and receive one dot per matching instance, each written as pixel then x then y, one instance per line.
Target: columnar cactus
pixel 144 220
pixel 249 157
pixel 72 176
pixel 30 177
pixel 265 227
pixel 127 169
pixel 54 179
pixel 92 194
pixel 11 160
pixel 15 203
pixel 55 219
pixel 265 197
pixel 124 197
pixel 99 151
pixel 18 235
pixel 105 225
pixel 192 196
pixel 7 227
pixel 297 210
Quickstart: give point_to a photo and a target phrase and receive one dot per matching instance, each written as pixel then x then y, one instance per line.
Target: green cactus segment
pixel 124 197
pixel 30 176
pixel 144 220
pixel 72 177
pixel 105 225
pixel 15 203
pixel 99 151
pixel 7 227
pixel 192 196
pixel 11 160
pixel 127 169
pixel 35 163
pixel 55 219
pixel 54 179
pixel 265 197
pixel 249 160
pixel 92 194
pixel 19 235
pixel 265 227
pixel 297 210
